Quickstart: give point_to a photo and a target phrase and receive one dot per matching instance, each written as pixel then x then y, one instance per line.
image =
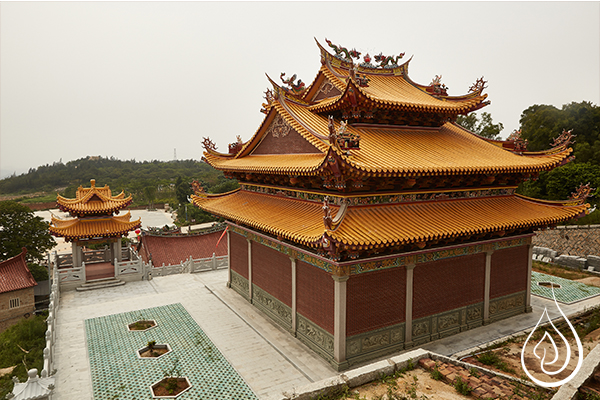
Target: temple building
pixel 93 221
pixel 368 221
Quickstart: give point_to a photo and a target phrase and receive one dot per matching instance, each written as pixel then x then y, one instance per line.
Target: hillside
pixel 148 181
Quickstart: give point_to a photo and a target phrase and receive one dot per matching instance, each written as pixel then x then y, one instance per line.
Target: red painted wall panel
pixel 272 272
pixel 448 284
pixel 314 290
pixel 238 254
pixel 509 271
pixel 375 300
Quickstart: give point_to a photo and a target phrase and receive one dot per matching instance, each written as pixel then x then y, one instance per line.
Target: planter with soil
pixel 153 350
pixel 170 387
pixel 142 325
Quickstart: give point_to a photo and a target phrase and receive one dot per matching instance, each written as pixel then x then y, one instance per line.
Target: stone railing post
pixel 83 271
pixel 214 261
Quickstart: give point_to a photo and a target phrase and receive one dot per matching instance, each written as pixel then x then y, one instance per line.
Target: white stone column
pixel 75 255
pixel 249 269
pixel 529 265
pixel 339 318
pixel 228 260
pixel 409 305
pixel 294 304
pixel 486 290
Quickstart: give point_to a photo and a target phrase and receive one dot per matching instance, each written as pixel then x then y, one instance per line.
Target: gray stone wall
pixel 574 246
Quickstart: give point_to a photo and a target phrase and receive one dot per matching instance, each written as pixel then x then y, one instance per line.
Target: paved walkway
pixel 269 359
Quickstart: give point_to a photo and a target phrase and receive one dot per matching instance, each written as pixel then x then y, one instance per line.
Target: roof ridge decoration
pixel 388 62
pixel 436 87
pixel 343 139
pixel 297 89
pixel 342 51
pixel 581 193
pixel 564 139
pixel 520 144
pixel 478 86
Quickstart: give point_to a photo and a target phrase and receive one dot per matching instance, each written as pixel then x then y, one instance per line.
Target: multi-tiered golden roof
pixel 398 171
pixel 93 209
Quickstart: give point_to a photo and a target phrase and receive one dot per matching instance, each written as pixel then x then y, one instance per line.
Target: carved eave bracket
pixel 332 223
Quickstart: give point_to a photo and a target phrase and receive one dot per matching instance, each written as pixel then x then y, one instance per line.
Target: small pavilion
pixel 95 218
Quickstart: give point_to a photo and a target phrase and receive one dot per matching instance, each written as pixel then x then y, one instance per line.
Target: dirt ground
pixel 415 384
pixel 509 355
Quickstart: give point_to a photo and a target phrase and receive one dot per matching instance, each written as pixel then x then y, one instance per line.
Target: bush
pixel 22 345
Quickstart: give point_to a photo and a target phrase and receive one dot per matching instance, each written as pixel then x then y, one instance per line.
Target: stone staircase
pixel 100 284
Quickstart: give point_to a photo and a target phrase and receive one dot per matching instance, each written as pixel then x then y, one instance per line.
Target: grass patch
pixel 561 272
pixel 22 345
pixel 493 359
pixel 462 387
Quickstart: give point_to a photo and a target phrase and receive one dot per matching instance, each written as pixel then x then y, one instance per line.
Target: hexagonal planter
pixel 141 325
pixel 170 387
pixel 157 351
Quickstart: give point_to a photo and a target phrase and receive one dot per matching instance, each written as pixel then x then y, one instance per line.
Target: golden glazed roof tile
pixel 397 151
pixel 83 228
pixel 396 90
pixel 448 149
pixel 93 201
pixel 384 225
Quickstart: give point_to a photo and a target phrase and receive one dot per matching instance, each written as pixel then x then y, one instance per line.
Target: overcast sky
pixel 138 80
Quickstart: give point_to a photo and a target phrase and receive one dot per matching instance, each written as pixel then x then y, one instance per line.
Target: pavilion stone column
pixel 339 318
pixel 409 304
pixel 529 265
pixel 117 250
pixel 228 260
pixel 486 291
pixel 294 304
pixel 249 270
pixel 76 254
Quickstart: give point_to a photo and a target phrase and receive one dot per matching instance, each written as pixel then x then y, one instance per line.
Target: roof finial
pixel 93 182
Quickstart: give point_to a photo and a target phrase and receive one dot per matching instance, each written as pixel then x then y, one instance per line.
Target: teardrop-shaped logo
pixel 540 351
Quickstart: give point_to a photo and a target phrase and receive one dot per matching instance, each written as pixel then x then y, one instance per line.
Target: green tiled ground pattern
pixel 118 373
pixel 569 291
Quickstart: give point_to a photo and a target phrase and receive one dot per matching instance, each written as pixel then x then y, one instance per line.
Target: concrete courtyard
pixel 269 359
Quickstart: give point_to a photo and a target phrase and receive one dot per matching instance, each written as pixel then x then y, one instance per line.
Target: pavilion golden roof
pixel 383 225
pixel 395 91
pixel 93 201
pixel 93 227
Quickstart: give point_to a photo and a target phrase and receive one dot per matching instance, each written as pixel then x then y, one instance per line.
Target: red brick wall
pixel 448 284
pixel 272 272
pixel 509 271
pixel 375 300
pixel 314 291
pixel 238 254
pixel 288 144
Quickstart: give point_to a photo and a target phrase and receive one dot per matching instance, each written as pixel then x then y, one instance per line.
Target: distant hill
pixel 131 176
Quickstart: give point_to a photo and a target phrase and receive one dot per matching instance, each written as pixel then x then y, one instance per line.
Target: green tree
pixel 559 183
pixel 150 195
pixel 182 190
pixel 540 124
pixel 484 127
pixel 19 228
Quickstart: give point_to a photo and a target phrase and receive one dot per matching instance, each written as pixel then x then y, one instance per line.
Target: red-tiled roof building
pixel 368 221
pixel 17 299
